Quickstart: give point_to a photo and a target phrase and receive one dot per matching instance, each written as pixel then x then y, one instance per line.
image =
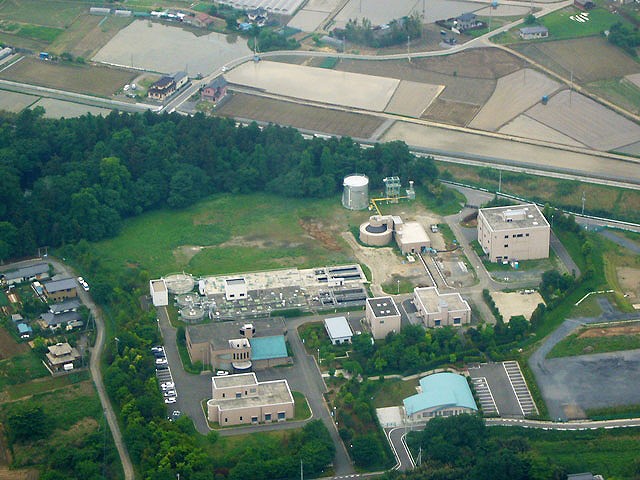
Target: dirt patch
pixel 514 303
pixel 450 112
pixel 318 231
pixel 184 253
pixel 326 120
pixel 629 279
pixel 9 347
pixel 611 331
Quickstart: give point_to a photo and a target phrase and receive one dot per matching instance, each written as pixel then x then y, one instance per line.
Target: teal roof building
pixel 443 394
pixel 268 348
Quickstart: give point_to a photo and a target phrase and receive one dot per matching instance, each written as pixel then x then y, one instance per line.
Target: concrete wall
pixel 241 416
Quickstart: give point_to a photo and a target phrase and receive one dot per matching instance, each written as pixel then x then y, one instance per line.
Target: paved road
pixel 397 439
pixel 622 241
pixel 563 255
pixel 96 354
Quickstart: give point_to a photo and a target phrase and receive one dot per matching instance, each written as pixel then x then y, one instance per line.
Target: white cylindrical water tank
pixel 355 195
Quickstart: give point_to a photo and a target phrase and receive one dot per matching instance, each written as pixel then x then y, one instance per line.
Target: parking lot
pixel 502 390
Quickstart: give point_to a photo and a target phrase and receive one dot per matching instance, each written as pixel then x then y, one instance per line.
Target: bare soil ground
pixel 412 98
pixel 568 112
pixel 512 304
pixel 514 94
pixel 523 126
pixel 452 113
pixel 9 347
pixel 321 233
pixel 590 58
pixel 300 116
pixel 15 102
pixel 87 34
pixel 92 80
pixel 59 108
pixel 611 331
pixel 629 279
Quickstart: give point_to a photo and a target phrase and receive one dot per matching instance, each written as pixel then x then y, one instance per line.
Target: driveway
pixel 572 384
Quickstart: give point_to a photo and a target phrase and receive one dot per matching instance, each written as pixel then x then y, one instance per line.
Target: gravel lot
pixel 512 304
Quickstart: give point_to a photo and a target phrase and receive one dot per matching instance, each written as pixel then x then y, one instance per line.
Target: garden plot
pixel 514 94
pixel 60 109
pixel 15 102
pixel 586 121
pixel 526 127
pixel 317 84
pixel 512 304
pixel 383 11
pixel 168 49
pixel 412 98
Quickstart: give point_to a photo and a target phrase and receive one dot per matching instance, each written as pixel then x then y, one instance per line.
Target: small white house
pixel 338 330
pixel 159 293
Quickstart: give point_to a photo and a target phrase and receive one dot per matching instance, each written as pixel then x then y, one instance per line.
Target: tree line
pixel 70 179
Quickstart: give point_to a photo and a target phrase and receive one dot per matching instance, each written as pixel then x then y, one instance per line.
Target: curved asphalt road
pixel 96 354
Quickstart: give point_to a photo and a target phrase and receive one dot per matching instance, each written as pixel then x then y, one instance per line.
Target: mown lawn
pixel 562 27
pixel 302 411
pixel 391 392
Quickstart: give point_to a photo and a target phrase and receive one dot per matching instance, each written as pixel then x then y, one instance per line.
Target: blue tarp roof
pixel 267 348
pixel 439 391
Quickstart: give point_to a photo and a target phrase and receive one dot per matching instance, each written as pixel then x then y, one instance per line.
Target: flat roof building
pixel 241 399
pixel 382 316
pixel 441 309
pixel 411 237
pixel 235 288
pixel 516 232
pixel 239 346
pixel 338 330
pixel 159 292
pixel 442 395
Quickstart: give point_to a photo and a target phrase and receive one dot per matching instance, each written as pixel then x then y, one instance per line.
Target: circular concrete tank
pixel 377 232
pixel 355 195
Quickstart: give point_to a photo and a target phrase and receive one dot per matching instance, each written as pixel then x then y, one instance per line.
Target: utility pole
pixel 408 48
pixel 500 181
pixel 583 200
pixel 301 471
pixel 571 87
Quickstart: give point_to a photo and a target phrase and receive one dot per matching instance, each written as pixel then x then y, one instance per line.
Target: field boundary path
pixel 96 354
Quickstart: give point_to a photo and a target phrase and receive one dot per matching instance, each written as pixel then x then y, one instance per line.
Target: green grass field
pixel 391 392
pixel 239 233
pixel 52 13
pixel 21 368
pixel 302 411
pixel 4 301
pixel 619 91
pixel 611 453
pixel 562 27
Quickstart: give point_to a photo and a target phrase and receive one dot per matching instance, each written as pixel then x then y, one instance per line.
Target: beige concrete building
pixel 411 237
pixel 517 232
pixel 239 346
pixel 241 399
pixel 58 290
pixel 439 310
pixel 382 316
pixel 378 231
pixel 159 292
pixel 235 288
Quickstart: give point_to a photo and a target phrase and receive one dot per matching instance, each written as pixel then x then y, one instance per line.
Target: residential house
pixel 533 32
pixel 57 290
pixel 162 89
pixel 61 356
pixel 215 90
pixel 39 271
pixel 180 79
pixel 466 21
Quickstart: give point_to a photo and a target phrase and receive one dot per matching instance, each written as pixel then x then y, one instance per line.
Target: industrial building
pixel 58 290
pixel 441 309
pixel 159 292
pixel 338 330
pixel 410 237
pixel 235 288
pixel 382 316
pixel 513 233
pixel 239 346
pixel 241 399
pixel 441 395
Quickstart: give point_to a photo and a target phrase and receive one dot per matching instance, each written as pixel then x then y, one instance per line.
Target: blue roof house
pixel 443 394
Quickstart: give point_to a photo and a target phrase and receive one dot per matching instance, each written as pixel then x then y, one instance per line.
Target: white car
pixel 169 393
pixel 167 385
pixel 222 373
pixel 170 400
pixel 83 284
pixel 161 361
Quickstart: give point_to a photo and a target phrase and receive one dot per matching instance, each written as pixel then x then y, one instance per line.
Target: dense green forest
pixel 71 179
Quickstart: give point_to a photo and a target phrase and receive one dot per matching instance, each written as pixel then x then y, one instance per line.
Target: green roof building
pixel 443 394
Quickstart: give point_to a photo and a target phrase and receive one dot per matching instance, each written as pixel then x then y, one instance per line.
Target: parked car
pixel 167 385
pixel 169 393
pixel 161 361
pixel 221 373
pixel 158 348
pixel 170 400
pixel 162 366
pixel 83 284
pixel 176 413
